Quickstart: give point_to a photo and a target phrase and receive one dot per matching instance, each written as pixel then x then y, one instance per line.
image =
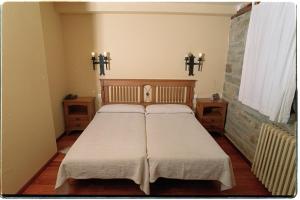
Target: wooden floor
pixel 247 183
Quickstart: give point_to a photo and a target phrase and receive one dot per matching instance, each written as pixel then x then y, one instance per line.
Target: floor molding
pixel 23 188
pixel 61 135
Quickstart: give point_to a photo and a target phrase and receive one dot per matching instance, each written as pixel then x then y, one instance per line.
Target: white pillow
pixel 122 108
pixel 168 108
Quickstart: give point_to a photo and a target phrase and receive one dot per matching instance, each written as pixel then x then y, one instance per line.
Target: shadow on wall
pixel 79 41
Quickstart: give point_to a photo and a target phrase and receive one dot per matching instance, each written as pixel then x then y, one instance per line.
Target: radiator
pixel 274 161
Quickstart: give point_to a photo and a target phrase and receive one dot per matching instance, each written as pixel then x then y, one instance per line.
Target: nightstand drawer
pixel 77 124
pixel 77 118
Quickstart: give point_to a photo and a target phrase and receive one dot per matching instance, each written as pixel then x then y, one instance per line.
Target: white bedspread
pixel 179 147
pixel 112 146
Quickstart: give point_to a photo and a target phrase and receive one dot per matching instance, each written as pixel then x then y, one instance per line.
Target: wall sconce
pixel 189 63
pixel 102 60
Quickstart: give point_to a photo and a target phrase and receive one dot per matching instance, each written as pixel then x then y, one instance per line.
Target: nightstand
pixel 211 114
pixel 78 113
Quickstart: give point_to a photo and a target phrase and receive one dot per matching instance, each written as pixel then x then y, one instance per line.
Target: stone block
pixel 230 90
pixel 236 60
pixel 240 142
pixel 239 126
pixel 236 80
pixel 228 68
pixel 237 69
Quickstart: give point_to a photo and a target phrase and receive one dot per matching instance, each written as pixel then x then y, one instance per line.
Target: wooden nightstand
pixel 211 114
pixel 78 113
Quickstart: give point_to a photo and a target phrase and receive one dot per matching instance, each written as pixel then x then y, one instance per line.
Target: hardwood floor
pixel 246 183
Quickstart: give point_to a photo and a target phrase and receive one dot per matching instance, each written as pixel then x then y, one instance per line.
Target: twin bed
pixel 125 140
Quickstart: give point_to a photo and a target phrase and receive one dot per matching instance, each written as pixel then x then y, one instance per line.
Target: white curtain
pixel 268 80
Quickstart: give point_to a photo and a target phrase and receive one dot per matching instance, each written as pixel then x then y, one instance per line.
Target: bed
pixel 107 151
pixel 112 146
pixel 179 147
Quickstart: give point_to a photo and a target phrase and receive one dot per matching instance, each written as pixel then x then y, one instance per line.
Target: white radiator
pixel 274 162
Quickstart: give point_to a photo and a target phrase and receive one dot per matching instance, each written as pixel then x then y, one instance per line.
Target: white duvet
pixel 112 146
pixel 179 147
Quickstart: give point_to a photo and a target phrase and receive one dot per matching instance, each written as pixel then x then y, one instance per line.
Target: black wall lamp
pixel 103 60
pixel 190 62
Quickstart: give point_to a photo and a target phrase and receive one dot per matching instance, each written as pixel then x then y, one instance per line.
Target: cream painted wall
pixel 53 40
pixel 145 46
pixel 27 132
pixel 78 42
pixel 205 8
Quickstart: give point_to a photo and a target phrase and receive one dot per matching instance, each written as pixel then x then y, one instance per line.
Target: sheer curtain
pixel 268 80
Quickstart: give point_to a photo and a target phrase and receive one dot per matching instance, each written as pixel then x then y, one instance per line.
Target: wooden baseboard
pixel 61 135
pixel 36 174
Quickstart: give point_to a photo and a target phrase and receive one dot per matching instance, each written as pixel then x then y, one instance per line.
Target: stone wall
pixel 242 122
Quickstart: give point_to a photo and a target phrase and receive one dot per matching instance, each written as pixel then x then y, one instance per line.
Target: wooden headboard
pixel 147 91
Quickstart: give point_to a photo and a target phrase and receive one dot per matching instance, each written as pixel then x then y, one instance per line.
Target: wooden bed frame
pixel 147 91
